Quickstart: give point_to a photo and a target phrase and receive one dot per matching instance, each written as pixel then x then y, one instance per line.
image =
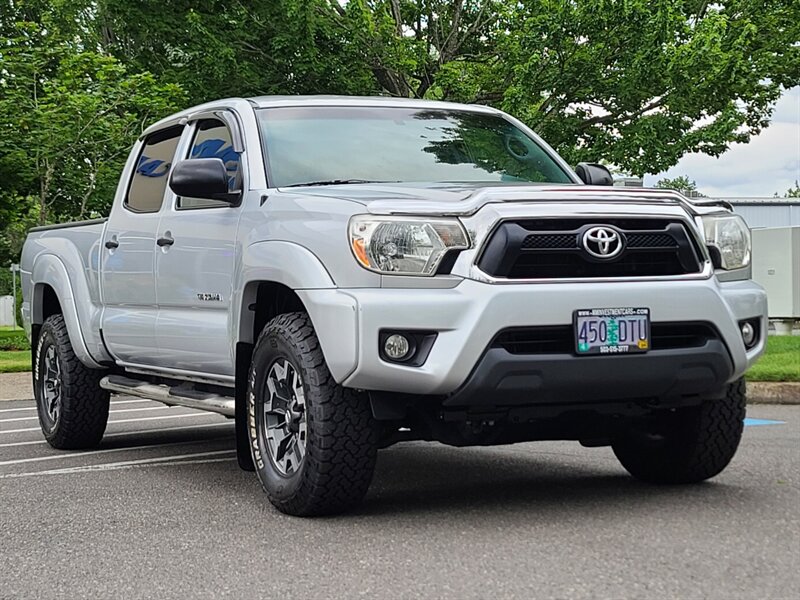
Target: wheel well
pixel 270 300
pixel 261 301
pixel 45 307
pixel 50 304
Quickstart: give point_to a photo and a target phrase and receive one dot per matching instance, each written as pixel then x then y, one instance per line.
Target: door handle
pixel 112 244
pixel 165 241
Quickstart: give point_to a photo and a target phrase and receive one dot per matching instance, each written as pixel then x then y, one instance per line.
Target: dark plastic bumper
pixel 505 379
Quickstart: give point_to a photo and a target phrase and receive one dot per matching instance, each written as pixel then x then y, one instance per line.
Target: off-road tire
pixel 341 438
pixel 689 445
pixel 83 412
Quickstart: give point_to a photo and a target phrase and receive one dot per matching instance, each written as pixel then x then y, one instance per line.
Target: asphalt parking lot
pixel 162 511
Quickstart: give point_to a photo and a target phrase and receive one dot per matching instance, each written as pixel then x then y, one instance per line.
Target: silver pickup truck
pixel 341 274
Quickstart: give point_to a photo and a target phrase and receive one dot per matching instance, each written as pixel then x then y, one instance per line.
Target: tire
pixel 329 465
pixel 72 408
pixel 690 445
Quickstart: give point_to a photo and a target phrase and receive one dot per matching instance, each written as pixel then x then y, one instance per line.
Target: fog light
pixel 396 346
pixel 748 334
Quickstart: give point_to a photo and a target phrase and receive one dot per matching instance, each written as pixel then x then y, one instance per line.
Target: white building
pixel 767 212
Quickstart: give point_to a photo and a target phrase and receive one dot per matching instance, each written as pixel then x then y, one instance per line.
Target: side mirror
pixel 204 178
pixel 594 174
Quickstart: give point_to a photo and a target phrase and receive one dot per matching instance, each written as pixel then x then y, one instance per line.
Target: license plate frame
pixel 635 318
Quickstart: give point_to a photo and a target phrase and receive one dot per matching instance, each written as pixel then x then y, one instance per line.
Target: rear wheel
pixel 72 408
pixel 314 443
pixel 689 445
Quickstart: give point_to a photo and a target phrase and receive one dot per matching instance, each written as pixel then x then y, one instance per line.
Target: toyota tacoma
pixel 341 274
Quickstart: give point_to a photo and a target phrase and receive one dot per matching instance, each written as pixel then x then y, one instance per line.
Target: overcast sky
pixel 769 163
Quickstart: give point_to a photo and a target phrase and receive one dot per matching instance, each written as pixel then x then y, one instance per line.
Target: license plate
pixel 612 330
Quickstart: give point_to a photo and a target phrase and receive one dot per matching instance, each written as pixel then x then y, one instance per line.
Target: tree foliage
pixel 68 116
pixel 634 83
pixel 682 184
pixel 792 192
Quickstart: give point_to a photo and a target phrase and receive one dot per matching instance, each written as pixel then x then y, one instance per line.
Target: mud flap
pixel 244 353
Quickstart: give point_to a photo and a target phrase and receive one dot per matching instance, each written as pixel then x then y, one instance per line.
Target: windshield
pixel 315 144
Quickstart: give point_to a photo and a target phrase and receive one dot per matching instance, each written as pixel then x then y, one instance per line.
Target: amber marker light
pixel 360 251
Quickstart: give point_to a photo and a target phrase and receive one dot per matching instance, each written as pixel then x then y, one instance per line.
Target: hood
pixel 461 199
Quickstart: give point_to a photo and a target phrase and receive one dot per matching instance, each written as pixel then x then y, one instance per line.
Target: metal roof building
pixel 767 212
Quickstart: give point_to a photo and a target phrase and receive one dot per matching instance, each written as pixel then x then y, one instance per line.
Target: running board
pixel 181 395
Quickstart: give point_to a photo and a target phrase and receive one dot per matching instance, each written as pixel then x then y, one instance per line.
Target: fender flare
pixel 291 264
pixel 333 314
pixel 49 269
pixel 286 263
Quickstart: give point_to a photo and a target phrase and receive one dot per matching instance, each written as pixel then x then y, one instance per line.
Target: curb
pixel 773 392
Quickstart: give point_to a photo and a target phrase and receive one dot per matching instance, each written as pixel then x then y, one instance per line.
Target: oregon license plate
pixel 612 330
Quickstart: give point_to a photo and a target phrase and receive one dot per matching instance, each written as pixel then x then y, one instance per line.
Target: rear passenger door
pixel 194 273
pixel 128 253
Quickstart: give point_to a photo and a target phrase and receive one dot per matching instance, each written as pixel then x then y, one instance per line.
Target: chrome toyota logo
pixel 602 242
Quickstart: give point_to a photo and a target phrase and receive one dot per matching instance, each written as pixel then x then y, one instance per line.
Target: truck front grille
pixel 560 339
pixel 553 249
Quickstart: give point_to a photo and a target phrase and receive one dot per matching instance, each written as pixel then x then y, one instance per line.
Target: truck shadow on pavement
pixel 517 480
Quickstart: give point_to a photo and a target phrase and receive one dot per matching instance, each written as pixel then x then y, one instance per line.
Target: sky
pixel 768 163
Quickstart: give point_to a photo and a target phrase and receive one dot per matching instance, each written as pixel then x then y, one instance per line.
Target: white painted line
pixel 111 412
pixel 69 455
pixel 174 460
pixel 124 433
pixel 197 414
pixel 4 410
pixel 113 402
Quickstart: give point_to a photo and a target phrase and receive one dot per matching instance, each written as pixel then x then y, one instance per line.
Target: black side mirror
pixel 594 174
pixel 204 178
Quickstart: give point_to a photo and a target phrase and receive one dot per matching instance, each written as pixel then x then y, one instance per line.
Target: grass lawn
pixel 15 355
pixel 781 362
pixel 13 339
pixel 15 361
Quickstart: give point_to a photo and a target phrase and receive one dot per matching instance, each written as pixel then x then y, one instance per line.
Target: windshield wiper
pixel 336 182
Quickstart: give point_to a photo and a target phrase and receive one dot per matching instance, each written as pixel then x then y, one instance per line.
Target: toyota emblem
pixel 602 242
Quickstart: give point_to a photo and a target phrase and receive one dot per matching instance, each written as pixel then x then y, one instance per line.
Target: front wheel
pixel 314 443
pixel 689 445
pixel 72 407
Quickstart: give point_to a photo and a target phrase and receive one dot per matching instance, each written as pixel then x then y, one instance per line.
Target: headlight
pixel 730 236
pixel 404 245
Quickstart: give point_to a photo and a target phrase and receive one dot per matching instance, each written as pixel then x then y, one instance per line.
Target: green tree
pixel 681 184
pixel 70 117
pixel 634 83
pixel 792 192
pixel 222 48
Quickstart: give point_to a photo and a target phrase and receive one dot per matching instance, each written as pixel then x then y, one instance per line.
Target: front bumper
pixel 501 378
pixel 468 316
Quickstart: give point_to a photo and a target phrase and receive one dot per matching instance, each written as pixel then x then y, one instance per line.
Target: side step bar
pixel 180 395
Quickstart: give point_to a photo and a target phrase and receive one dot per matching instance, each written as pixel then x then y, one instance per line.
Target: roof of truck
pixel 330 100
pixel 321 100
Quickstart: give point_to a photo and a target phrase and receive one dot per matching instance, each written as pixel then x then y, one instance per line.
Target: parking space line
pixel 176 459
pixel 113 402
pixel 111 412
pixel 123 433
pixel 5 410
pixel 748 422
pixel 69 455
pixel 186 416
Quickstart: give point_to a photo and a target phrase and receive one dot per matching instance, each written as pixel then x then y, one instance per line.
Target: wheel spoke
pixel 284 447
pixel 284 416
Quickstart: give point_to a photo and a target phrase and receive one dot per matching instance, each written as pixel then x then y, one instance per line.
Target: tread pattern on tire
pixel 701 443
pixel 84 404
pixel 341 448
